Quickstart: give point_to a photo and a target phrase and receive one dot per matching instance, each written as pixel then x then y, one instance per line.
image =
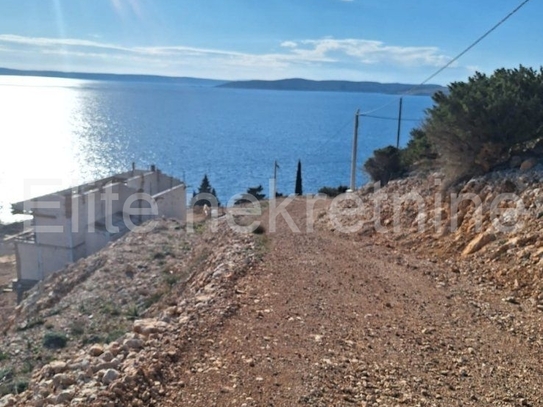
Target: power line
pixel 326 141
pixel 456 58
pixel 486 34
pixel 389 118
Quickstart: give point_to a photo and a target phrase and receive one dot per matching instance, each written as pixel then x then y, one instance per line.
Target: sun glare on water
pixel 38 128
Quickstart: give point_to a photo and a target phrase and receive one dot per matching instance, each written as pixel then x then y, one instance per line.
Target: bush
pixel 255 192
pixel 77 327
pixel 333 192
pixel 55 340
pixel 259 230
pixel 20 386
pixel 6 374
pixel 385 165
pixel 418 149
pixel 475 127
pixel 114 335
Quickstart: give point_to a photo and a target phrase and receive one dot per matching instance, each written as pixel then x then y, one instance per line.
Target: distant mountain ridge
pixel 295 84
pixel 115 77
pixel 336 86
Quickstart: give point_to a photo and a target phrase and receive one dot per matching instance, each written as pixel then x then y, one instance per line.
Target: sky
pixel 359 40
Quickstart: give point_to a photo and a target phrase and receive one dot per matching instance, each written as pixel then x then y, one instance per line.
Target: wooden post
pixel 355 150
pixel 399 124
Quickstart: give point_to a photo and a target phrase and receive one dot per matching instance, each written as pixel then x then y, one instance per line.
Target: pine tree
pixel 299 190
pixel 205 188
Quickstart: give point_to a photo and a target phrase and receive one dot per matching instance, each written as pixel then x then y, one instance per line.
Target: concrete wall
pixel 55 258
pixel 96 241
pixel 153 183
pixel 27 261
pixel 35 262
pixel 172 203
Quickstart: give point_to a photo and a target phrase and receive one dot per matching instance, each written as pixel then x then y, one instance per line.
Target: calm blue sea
pixel 60 132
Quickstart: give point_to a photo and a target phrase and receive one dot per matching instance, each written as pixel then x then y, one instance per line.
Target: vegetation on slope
pixel 476 127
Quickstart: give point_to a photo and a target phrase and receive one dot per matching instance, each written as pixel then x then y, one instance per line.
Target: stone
pixel 63 380
pixel 147 327
pixel 528 164
pixel 478 243
pixel 7 401
pixel 114 348
pixel 65 397
pixel 133 343
pixel 109 376
pixel 107 356
pixel 58 366
pixel 114 364
pixel 96 350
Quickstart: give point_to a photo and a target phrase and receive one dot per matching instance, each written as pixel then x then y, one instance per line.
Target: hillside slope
pixel 316 318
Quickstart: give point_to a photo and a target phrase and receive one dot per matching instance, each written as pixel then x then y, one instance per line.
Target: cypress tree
pixel 298 190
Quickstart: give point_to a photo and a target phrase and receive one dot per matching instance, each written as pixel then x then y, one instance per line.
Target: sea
pixel 56 133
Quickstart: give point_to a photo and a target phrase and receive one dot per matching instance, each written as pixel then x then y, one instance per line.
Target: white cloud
pixel 374 52
pixel 295 56
pixel 57 42
pixel 289 44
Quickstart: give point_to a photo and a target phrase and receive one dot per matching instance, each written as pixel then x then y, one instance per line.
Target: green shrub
pixel 77 327
pixel 418 149
pixel 171 279
pixel 259 230
pixel 385 165
pixel 114 335
pixel 254 192
pixel 90 339
pixel 3 356
pixel 32 323
pixel 55 340
pixel 153 299
pixel 333 192
pixel 110 308
pixel 478 123
pixel 27 367
pixel 133 313
pixel 20 386
pixel 13 387
pixel 6 374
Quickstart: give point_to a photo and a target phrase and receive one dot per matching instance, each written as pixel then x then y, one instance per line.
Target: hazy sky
pixel 382 40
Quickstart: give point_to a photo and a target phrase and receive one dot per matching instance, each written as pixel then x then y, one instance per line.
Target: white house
pixel 76 222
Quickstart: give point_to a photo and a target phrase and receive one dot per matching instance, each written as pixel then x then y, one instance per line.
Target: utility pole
pixel 355 149
pixel 399 124
pixel 274 188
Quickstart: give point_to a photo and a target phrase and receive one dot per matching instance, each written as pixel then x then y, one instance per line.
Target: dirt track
pixel 324 319
pixel 334 320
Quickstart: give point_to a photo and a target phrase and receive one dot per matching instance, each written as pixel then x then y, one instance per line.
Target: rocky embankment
pixel 99 332
pixel 489 227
